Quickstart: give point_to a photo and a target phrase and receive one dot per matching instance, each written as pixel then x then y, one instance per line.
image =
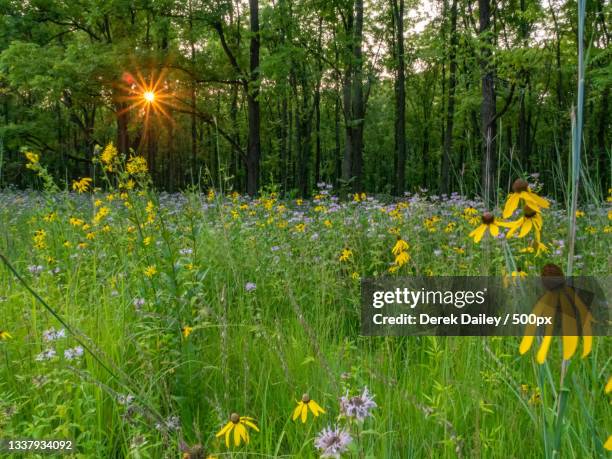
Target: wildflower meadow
pixel 147 324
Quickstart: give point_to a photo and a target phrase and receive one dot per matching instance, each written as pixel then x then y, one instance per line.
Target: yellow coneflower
pixel 81 186
pixel 239 425
pixel 4 335
pixel 400 246
pixel 346 254
pixel 301 411
pixel 150 271
pixel 531 219
pixel 559 297
pixel 186 331
pixel 488 223
pixel 401 259
pixel 521 190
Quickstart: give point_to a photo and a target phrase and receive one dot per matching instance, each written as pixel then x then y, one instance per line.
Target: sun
pixel 149 96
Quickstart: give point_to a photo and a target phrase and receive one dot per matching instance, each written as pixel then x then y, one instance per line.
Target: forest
pixel 386 96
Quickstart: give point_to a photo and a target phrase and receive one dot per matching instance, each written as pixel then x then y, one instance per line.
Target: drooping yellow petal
pixel 608 443
pixel 533 198
pixel 304 412
pixel 227 436
pixel 569 328
pixel 244 434
pixel 225 428
pixel 511 204
pixel 237 434
pixel 316 408
pixel 529 334
pixel 543 351
pixel 608 388
pixel 250 424
pixel 494 229
pixel 296 412
pixel 585 320
pixel 550 307
pixel 527 225
pixel 514 226
pixel 478 233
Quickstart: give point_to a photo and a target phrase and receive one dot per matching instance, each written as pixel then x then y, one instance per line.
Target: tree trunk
pixel 445 187
pixel 400 98
pixel 357 102
pixel 254 144
pixel 487 112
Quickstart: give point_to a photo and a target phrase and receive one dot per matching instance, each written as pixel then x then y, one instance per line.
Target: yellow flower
pixel 401 259
pixel 346 254
pixel 400 246
pixel 519 273
pixel 239 425
pixel 488 223
pixel 102 212
pixel 81 186
pixel 4 335
pixel 301 411
pixel 33 158
pixel 521 190
pixel 328 223
pixel 150 271
pixel 531 219
pixel 108 156
pixel 147 240
pixel 579 214
pixel 50 217
pixel 559 297
pixel 299 228
pixel 137 165
pixel 40 239
pixel 186 331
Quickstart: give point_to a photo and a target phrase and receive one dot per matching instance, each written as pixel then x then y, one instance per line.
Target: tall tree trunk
pixel 358 102
pixel 352 164
pixel 487 111
pixel 400 98
pixel 450 109
pixel 254 145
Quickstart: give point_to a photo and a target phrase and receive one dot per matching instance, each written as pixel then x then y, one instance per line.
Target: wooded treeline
pixel 380 96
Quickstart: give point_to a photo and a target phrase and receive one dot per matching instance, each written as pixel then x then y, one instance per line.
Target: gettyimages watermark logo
pixel 486 306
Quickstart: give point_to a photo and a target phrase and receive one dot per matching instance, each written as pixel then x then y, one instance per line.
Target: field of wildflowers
pixel 145 324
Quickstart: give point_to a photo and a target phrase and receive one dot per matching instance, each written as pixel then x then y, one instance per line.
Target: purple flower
pixel 332 442
pixel 75 353
pixel 138 303
pixel 359 406
pixel 35 269
pixel 52 334
pixel 47 354
pixel 250 286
